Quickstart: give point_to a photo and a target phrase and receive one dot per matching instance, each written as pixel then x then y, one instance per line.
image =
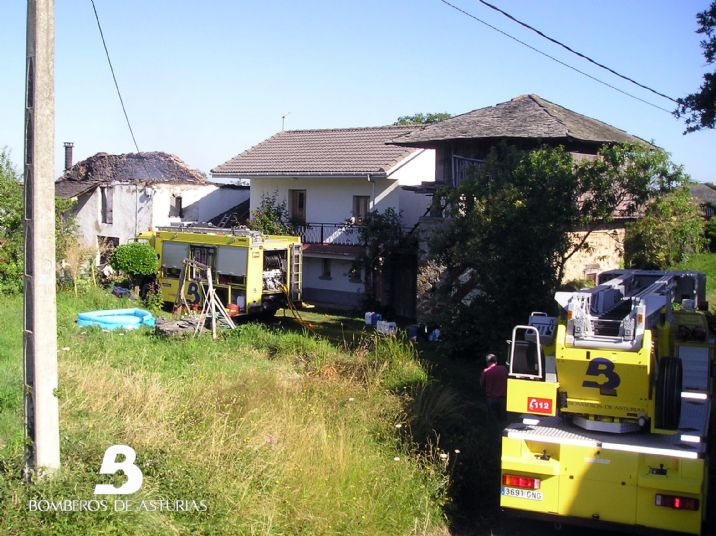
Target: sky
pixel 208 80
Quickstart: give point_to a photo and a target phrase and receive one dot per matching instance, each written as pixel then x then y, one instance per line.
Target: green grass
pixel 279 431
pixel 705 262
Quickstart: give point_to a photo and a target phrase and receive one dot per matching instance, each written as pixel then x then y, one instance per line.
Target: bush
pixel 710 232
pixel 271 217
pixel 671 231
pixel 135 259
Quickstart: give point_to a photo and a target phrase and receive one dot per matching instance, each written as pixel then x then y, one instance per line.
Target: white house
pixel 330 179
pixel 120 195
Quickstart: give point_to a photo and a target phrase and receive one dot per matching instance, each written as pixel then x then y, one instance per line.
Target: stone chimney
pixel 68 154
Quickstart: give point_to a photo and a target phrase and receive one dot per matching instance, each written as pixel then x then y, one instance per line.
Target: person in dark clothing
pixel 494 381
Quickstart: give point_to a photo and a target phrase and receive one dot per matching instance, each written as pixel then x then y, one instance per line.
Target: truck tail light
pixel 676 502
pixel 524 482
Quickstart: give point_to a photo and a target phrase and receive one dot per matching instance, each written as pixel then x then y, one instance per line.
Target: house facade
pixel 329 179
pixel 528 122
pixel 118 196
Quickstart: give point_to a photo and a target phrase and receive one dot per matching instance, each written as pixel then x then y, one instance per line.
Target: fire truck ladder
pixel 296 272
pixel 615 313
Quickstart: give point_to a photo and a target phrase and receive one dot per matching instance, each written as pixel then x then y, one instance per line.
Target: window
pixel 361 203
pixel 106 193
pixel 203 254
pixel 297 206
pixel 464 168
pixel 176 210
pixel 326 269
pixel 354 275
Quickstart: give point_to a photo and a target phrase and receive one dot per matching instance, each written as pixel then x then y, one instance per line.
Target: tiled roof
pixel 340 151
pixel 132 167
pixel 526 117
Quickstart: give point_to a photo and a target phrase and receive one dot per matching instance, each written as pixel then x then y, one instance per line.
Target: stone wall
pixel 606 252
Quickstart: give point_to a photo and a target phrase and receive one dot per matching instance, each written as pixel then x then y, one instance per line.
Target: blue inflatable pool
pixel 117 318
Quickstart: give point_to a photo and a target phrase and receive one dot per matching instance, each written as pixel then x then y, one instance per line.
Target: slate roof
pixel 340 152
pixel 704 192
pixel 526 117
pixel 145 167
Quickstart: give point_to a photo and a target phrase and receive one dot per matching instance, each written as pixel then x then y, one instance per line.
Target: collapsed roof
pixel 146 167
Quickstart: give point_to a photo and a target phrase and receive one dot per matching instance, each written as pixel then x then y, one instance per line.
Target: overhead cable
pixel 555 59
pixel 583 56
pixel 111 68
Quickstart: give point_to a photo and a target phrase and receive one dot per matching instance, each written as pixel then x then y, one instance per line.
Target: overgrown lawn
pixel 277 432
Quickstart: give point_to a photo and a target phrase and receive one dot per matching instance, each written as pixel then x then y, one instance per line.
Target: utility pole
pixel 42 423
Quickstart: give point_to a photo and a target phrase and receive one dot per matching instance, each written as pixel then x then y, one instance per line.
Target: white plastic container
pixel 386 328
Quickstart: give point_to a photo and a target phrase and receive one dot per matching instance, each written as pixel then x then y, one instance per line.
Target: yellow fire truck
pixel 615 397
pixel 252 273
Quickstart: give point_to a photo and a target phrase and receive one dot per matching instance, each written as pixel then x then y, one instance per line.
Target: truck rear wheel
pixel 668 393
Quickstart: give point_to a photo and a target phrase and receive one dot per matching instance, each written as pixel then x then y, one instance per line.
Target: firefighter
pixel 494 381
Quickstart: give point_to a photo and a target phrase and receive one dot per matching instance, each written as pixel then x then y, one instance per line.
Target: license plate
pixel 523 493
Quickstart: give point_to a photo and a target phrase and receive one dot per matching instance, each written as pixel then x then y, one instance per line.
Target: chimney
pixel 68 154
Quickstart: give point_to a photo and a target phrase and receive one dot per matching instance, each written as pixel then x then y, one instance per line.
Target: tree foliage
pixel 12 230
pixel 135 259
pixel 700 108
pixel 671 230
pixel 11 227
pixel 509 231
pixel 422 118
pixel 382 236
pixel 271 217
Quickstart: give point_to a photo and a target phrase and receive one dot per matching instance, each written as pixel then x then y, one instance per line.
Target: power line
pixel 555 59
pixel 584 56
pixel 114 77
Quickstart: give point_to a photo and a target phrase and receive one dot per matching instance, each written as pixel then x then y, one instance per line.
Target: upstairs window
pixel 361 204
pixel 464 168
pixel 176 210
pixel 106 203
pixel 297 206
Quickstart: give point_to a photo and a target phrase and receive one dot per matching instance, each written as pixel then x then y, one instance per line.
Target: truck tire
pixel 668 393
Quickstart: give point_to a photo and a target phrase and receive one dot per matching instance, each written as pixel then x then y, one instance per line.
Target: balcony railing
pixel 338 234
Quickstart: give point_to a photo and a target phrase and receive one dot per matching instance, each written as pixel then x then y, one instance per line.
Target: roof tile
pixel 342 151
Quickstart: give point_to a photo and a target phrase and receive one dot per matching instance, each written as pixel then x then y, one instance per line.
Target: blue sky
pixel 207 80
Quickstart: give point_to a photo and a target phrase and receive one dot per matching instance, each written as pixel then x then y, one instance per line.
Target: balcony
pixel 335 234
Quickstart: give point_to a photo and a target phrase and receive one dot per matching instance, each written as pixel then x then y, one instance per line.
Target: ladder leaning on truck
pixel 615 397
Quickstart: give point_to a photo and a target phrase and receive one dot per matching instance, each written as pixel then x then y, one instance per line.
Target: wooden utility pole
pixel 42 427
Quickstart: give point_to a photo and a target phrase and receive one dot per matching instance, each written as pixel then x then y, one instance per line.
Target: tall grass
pixel 279 433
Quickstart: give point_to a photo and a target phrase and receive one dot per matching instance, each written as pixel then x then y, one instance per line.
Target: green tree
pixel 422 119
pixel 510 228
pixel 11 226
pixel 700 107
pixel 671 230
pixel 621 181
pixel 271 217
pixel 382 235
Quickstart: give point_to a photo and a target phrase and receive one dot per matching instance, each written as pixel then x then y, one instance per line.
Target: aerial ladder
pixel 615 398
